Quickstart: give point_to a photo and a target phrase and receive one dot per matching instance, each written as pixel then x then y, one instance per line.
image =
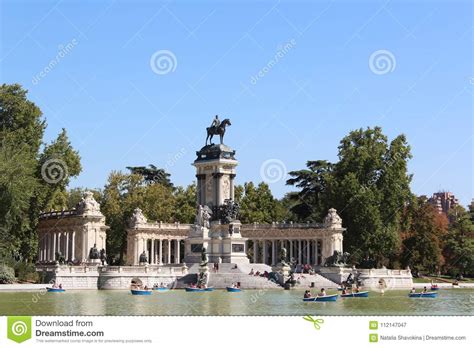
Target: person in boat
pixel 60 286
pixel 322 292
pixel 344 291
pixel 425 290
pixel 145 288
pixel 251 272
pixel 307 294
pixel 357 289
pixel 413 291
pixel 257 273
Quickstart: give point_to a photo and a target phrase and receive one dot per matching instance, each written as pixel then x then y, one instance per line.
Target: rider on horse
pixel 216 122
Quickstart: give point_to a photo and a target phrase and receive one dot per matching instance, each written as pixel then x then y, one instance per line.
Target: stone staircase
pixel 306 280
pixel 228 274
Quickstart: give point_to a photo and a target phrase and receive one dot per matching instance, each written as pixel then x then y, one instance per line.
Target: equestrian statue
pixel 217 128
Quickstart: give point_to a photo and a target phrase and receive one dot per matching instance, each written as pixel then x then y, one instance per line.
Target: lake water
pixel 220 302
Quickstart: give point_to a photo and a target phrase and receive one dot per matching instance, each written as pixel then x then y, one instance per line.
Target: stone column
pixel 53 249
pixel 300 256
pixel 255 251
pixel 231 181
pixel 160 250
pixel 169 251
pixel 273 253
pixel 73 245
pixel 152 259
pixel 177 252
pixel 264 251
pixel 315 242
pixel 135 251
pixel 308 252
pixel 291 249
pixel 218 188
pixel 66 256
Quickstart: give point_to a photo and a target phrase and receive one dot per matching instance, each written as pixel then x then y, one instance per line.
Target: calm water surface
pixel 219 302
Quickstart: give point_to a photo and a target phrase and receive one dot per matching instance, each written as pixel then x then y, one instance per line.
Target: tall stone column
pixel 54 246
pixel 300 256
pixel 152 259
pixel 308 252
pixel 273 252
pixel 135 251
pixel 218 188
pixel 160 251
pixel 73 245
pixel 255 251
pixel 66 256
pixel 232 191
pixel 169 251
pixel 291 249
pixel 264 251
pixel 177 252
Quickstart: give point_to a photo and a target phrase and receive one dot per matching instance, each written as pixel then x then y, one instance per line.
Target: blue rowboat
pixel 424 294
pixel 161 289
pixel 209 289
pixel 357 294
pixel 327 298
pixel 195 290
pixel 230 289
pixel 141 292
pixel 55 290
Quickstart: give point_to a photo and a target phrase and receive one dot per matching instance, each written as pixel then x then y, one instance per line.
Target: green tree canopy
pixel 257 204
pixel 369 186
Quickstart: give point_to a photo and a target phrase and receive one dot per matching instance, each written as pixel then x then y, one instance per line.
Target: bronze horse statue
pixel 220 130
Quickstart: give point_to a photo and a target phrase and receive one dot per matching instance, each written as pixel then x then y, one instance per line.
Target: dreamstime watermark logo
pixel 63 51
pixel 282 51
pixel 163 62
pixel 382 62
pixel 273 171
pixel 19 329
pixel 173 159
pixel 54 170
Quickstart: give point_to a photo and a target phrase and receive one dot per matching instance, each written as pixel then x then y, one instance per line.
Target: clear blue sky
pixel 119 112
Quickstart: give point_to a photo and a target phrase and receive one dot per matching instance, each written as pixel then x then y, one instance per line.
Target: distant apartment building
pixel 443 201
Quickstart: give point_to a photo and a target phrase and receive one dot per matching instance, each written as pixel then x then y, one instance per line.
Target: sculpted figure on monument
pixel 94 253
pixel 203 216
pixel 217 128
pixel 229 211
pixel 143 257
pixel 88 205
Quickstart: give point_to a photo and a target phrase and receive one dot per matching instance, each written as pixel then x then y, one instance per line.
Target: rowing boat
pixel 327 298
pixel 141 292
pixel 356 294
pixel 230 289
pixel 55 290
pixel 424 294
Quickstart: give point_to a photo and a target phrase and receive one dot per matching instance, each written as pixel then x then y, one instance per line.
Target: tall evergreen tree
pixel 369 187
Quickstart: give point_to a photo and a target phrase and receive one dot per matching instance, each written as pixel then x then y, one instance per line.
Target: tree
pixel 185 206
pixel 58 163
pixel 369 186
pixel 257 204
pixel 459 243
pixel 152 175
pixel 30 180
pixel 122 194
pixel 422 239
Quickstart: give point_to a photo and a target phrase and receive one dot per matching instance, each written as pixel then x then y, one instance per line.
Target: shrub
pixel 7 274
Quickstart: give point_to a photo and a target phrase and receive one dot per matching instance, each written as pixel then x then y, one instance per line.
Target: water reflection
pixel 219 302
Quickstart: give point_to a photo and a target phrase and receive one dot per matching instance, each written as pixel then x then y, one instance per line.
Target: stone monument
pixel 216 228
